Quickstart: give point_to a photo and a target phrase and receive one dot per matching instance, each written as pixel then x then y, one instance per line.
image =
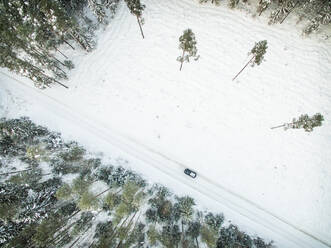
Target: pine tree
pixel 305 122
pixel 88 201
pixel 258 52
pixel 216 2
pixel 136 8
pixel 263 5
pixel 31 32
pixel 319 13
pixel 188 46
pixel 111 5
pixel 193 231
pixel 233 3
pixel 98 10
pixel 208 236
pixel 281 13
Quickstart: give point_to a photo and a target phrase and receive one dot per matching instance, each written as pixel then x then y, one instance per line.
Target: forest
pixel 35 34
pixel 54 193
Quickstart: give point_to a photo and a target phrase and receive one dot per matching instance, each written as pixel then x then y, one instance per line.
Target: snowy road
pixel 159 166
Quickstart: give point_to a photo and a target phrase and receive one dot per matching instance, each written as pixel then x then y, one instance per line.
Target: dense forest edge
pixel 56 194
pixel 35 35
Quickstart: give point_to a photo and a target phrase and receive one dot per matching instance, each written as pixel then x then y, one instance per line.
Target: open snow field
pixel 199 117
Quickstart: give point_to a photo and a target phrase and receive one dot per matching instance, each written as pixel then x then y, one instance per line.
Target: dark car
pixel 190 173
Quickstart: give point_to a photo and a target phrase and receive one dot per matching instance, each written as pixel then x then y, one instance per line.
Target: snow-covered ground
pixel 130 99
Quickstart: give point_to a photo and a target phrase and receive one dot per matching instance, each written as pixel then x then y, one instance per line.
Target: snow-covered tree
pixel 136 8
pixel 263 5
pixel 111 5
pixel 233 3
pixel 214 221
pixel 233 237
pixel 257 52
pixel 98 10
pixel 319 13
pixel 170 236
pixel 216 2
pixel 193 231
pixel 88 201
pixel 187 44
pixel 208 236
pixel 305 122
pixel 285 8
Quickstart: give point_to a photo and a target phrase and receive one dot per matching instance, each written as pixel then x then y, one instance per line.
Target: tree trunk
pixel 119 244
pixel 278 126
pixel 91 244
pixel 244 67
pixel 115 229
pixel 68 44
pixel 51 55
pixel 183 233
pixel 181 64
pixel 196 239
pixel 102 193
pixel 74 242
pixel 58 60
pixel 289 12
pixel 141 30
pixel 13 172
pixel 135 223
pixel 60 52
pixel 60 83
pixel 78 41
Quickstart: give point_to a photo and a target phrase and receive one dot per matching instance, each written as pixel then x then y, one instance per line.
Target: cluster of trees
pixel 30 36
pixel 38 210
pixel 316 12
pixel 32 32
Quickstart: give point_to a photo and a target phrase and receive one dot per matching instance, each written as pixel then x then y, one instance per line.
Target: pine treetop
pixel 135 6
pixel 259 51
pixel 187 41
pixel 306 122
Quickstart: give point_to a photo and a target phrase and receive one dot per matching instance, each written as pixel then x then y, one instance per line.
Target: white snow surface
pixel 128 98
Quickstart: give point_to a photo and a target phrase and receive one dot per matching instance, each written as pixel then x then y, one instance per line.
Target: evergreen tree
pixel 318 13
pixel 258 52
pixel 111 5
pixel 193 231
pixel 170 236
pixel 98 10
pixel 285 8
pixel 214 221
pixel 136 8
pixel 216 2
pixel 233 3
pixel 259 243
pixel 233 237
pixel 305 122
pixel 187 44
pixel 153 235
pixel 88 201
pixel 64 193
pixel 263 5
pixel 30 34
pixel 208 236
